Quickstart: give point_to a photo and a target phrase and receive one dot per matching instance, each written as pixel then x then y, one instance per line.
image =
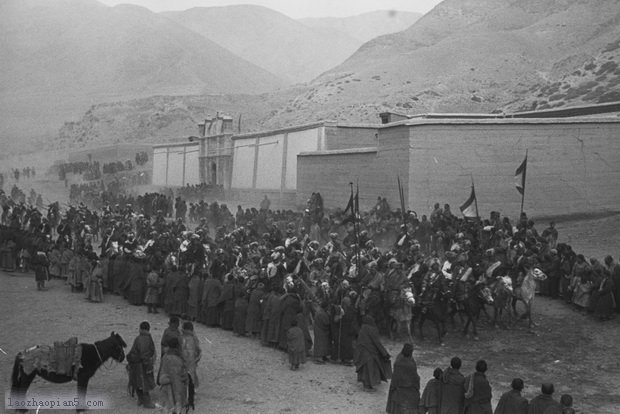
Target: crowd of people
pixel 277 275
pixel 449 391
pixel 200 191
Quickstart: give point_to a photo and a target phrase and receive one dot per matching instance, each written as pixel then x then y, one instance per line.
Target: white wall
pixel 299 141
pixel 243 163
pixel 269 169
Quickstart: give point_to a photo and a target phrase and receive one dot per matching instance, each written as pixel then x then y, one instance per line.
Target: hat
pixel 333 235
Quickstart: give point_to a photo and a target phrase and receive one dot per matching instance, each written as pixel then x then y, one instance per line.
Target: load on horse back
pixel 64 362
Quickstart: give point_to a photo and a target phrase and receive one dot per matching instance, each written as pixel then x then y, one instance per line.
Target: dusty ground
pixel 577 353
pixel 239 376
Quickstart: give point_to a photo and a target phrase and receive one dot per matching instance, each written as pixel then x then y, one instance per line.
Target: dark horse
pixel 93 356
pixel 471 302
pixel 435 307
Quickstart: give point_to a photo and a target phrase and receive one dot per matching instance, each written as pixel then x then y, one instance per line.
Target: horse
pixel 526 292
pixel 93 356
pixel 502 298
pixel 471 302
pixel 399 314
pixel 436 309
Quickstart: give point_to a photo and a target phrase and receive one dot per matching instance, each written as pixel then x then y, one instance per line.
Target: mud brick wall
pixel 375 169
pixel 573 165
pixel 343 137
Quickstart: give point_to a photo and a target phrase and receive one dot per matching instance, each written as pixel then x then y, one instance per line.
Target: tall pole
pixel 524 177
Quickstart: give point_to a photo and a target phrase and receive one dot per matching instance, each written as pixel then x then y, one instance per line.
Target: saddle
pixel 63 358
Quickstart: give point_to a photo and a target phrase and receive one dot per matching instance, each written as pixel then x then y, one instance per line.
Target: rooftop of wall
pixel 347 151
pixel 295 128
pixel 597 111
pixel 501 121
pixel 176 144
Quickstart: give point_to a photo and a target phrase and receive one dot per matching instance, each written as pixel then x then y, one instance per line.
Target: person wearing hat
pixel 404 394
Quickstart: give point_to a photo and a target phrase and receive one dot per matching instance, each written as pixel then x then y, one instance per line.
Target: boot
pixel 146 400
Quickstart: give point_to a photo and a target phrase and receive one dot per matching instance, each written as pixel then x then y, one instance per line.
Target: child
pixel 173 377
pixel 296 345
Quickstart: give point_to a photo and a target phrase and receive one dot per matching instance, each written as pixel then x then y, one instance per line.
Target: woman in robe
pixel 372 360
pixel 404 394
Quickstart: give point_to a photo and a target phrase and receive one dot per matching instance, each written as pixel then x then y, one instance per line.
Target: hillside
pixel 463 56
pixel 161 119
pixel 269 39
pixel 61 56
pixel 366 26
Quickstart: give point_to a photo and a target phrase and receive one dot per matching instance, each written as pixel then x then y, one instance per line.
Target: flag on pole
pixel 469 208
pixel 520 176
pixel 401 193
pixel 349 204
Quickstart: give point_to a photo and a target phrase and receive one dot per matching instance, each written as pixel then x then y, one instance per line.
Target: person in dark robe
pixel 241 314
pixel 173 377
pixel 614 270
pixel 226 303
pixel 290 306
pixel 195 286
pixel 478 392
pixel 40 264
pixel 302 322
pixel 321 329
pixel 295 345
pixel 271 306
pixel 172 331
pixel 135 285
pixel 120 272
pixel 344 330
pixel 255 313
pixel 565 406
pixel 512 402
pixel 372 360
pixel 453 389
pixel 211 291
pixel 431 396
pixel 404 394
pixel 140 362
pixel 605 304
pixel 180 294
pixel 543 401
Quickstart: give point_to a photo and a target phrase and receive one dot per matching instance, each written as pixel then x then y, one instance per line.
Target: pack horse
pixel 44 361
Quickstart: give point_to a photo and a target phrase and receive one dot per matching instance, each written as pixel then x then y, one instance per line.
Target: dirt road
pixel 240 376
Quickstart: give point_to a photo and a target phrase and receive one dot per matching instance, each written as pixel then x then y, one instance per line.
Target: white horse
pixel 526 292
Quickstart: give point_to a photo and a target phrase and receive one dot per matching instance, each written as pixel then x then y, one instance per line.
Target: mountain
pixel 269 39
pixel 465 56
pixel 62 56
pixel 366 26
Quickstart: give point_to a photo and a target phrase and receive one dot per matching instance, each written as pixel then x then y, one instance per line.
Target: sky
pixel 293 8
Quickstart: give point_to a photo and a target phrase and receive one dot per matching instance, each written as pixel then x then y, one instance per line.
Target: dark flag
pixel 349 204
pixel 520 176
pixel 470 207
